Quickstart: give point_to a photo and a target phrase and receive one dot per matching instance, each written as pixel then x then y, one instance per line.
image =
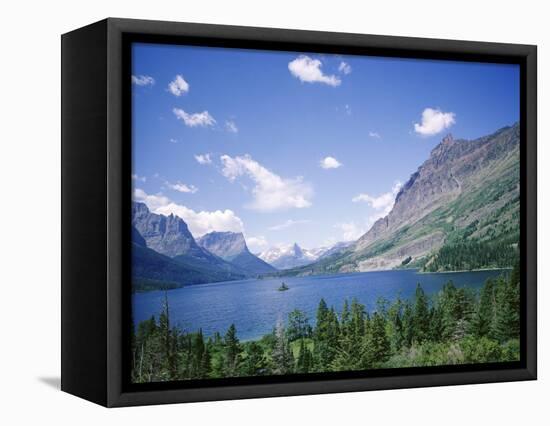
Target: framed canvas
pixel 253 212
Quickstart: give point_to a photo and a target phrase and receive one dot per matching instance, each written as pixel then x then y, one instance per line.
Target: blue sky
pixel 297 147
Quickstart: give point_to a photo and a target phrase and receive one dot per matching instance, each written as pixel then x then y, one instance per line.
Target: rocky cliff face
pixel 462 182
pixel 167 235
pixel 226 245
pixel 231 246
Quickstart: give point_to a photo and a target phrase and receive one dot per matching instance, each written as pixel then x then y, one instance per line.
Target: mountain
pixel 459 210
pixel 231 247
pixel 165 250
pixel 324 252
pixel 168 235
pixel 288 256
pixel 293 256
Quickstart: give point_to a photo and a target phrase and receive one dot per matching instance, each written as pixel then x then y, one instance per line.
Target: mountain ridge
pixel 464 197
pixel 291 256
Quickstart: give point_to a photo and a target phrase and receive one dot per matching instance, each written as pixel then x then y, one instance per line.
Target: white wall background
pixel 30 211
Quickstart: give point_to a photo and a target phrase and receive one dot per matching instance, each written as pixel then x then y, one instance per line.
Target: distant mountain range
pixel 292 256
pixel 165 254
pixel 459 210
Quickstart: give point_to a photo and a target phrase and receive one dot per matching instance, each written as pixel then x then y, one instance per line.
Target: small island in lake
pixel 283 287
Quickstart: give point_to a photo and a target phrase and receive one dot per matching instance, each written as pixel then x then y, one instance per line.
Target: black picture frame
pixel 96 190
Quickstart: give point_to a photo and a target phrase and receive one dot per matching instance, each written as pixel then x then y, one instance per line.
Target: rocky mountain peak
pixel 453 166
pixel 231 247
pixel 168 235
pixel 447 140
pixel 297 250
pixel 226 245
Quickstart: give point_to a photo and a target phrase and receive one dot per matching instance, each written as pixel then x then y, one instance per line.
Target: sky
pixel 294 146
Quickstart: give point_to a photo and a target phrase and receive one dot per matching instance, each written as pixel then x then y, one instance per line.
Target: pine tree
pixel 169 370
pixel 164 324
pixel 326 337
pixel 298 325
pixel 321 320
pixel 148 351
pixel 206 363
pixel 408 324
pixel 449 310
pixel 199 366
pixel 345 318
pixel 321 349
pixel 506 321
pixel 483 317
pixel 333 334
pixel 376 344
pixel 421 315
pixel 347 348
pixel 304 362
pixel 515 295
pixel 255 363
pixel 436 324
pixel 357 323
pixel 394 314
pixel 281 355
pixel 231 352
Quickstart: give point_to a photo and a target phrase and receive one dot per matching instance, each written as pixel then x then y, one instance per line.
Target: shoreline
pixel 467 270
pixel 418 271
pixel 385 270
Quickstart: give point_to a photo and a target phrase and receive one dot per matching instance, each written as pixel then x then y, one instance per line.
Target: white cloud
pixel 271 192
pixel 203 159
pixel 344 68
pixel 347 108
pixel 143 80
pixel 139 178
pixel 199 223
pixel 383 203
pixel 330 163
pixel 201 119
pixel 308 70
pixel 256 244
pixel 351 231
pixel 434 121
pixel 178 86
pixel 375 135
pixel 182 187
pixel 287 224
pixel 173 140
pixel 153 201
pixel 231 126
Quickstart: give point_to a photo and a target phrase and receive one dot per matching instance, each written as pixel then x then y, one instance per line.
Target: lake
pixel 255 306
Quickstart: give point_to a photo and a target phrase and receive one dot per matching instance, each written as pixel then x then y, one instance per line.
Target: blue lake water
pixel 255 306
